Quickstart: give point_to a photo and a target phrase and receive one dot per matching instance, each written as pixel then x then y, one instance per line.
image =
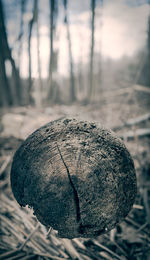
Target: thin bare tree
pixel 53 17
pixel 31 23
pixel 91 77
pixel 99 87
pixel 10 94
pixel 144 77
pixel 6 98
pixel 72 78
pixel 38 53
pixel 21 32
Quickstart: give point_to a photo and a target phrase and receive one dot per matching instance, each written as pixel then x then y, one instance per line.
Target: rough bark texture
pixel 78 177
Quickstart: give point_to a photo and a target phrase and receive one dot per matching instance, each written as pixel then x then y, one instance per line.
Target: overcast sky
pixel 120 29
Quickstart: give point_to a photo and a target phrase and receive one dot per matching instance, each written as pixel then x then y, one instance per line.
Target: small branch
pixel 137 133
pixel 135 206
pixel 29 237
pixel 106 249
pixel 9 254
pixel 71 249
pixel 133 121
pixel 5 164
pixel 142 227
pixel 49 232
pixel 142 88
pixel 146 204
pixel 138 119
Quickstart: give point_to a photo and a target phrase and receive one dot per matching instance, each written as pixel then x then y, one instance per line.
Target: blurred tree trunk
pixel 5 91
pixel 144 78
pixel 72 79
pixel 148 45
pixel 31 23
pixel 23 3
pixel 53 93
pixel 38 56
pixel 51 62
pixel 100 81
pixel 8 96
pixel 91 78
pixel 80 76
pixel 148 54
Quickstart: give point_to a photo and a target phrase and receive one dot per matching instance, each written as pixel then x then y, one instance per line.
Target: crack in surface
pixel 81 228
pixel 76 198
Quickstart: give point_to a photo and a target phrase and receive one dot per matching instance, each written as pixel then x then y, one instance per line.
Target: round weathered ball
pixel 78 177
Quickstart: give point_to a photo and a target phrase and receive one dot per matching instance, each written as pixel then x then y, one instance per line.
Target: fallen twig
pixel 142 227
pixel 142 88
pixel 5 164
pixel 143 132
pixel 71 249
pixel 9 254
pixel 29 237
pixel 106 249
pixel 133 121
pixel 135 206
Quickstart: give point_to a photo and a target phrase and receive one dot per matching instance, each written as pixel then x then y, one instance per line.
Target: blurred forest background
pixel 88 59
pixel 67 51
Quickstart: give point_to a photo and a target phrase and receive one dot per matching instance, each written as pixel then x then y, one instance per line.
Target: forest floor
pixel 22 237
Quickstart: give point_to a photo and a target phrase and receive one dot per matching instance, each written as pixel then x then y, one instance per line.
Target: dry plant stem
pixel 147 206
pixel 85 257
pixel 78 243
pixel 49 232
pixel 138 252
pixel 120 248
pixel 29 237
pixel 46 247
pixel 70 249
pixel 18 256
pixel 57 247
pixel 28 257
pixel 135 206
pixel 8 254
pixel 133 121
pixel 106 256
pixel 138 133
pixel 21 247
pixel 128 219
pixel 3 184
pixel 43 243
pixel 5 164
pixel 48 255
pixel 89 254
pixel 106 249
pixel 8 223
pixel 142 88
pixel 132 222
pixel 142 227
pixel 35 245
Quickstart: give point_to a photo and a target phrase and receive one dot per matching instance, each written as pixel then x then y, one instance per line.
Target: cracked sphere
pixel 79 178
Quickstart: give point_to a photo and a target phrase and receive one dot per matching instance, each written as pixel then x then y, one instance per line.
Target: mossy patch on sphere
pixel 78 177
